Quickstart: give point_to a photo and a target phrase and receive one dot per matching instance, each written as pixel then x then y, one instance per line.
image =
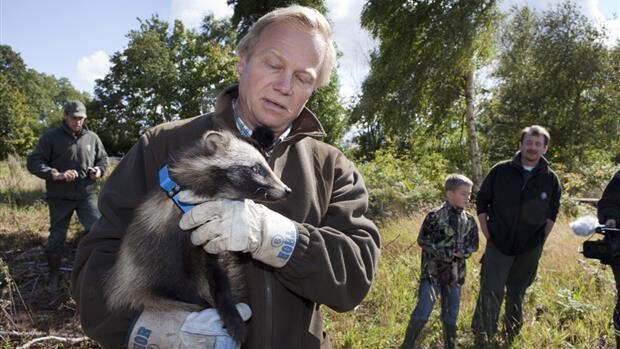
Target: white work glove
pixel 243 226
pixel 180 329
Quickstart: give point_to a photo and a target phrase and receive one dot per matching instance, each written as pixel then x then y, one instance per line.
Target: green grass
pixel 568 306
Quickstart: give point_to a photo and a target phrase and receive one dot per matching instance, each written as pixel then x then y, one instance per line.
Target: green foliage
pixel 554 70
pixel 163 74
pixel 399 185
pixel 16 128
pixel 417 79
pixel 247 12
pixel 569 305
pixel 330 112
pixel 30 102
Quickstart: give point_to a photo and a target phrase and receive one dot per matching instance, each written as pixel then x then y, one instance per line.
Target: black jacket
pixel 519 205
pixel 609 205
pixel 60 149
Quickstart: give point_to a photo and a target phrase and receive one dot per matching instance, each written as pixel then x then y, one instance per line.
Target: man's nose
pixel 284 84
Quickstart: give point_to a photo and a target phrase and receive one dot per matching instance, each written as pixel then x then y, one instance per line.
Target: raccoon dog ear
pixel 215 141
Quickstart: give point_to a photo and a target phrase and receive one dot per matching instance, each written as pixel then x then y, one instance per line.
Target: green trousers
pixel 61 211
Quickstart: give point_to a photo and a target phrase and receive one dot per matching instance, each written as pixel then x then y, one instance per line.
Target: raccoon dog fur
pixel 158 268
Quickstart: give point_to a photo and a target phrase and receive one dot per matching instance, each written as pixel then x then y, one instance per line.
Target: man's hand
pixel 183 330
pixel 94 172
pixel 243 226
pixel 610 223
pixel 68 175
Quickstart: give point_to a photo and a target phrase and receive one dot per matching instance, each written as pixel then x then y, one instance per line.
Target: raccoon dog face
pixel 222 166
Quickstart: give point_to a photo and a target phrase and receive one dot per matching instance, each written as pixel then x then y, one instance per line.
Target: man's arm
pixel 483 201
pixel 548 227
pixel 37 161
pixel 482 220
pixel 554 206
pixel 335 263
pixel 101 156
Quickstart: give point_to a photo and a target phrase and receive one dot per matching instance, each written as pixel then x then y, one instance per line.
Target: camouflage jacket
pixel 448 236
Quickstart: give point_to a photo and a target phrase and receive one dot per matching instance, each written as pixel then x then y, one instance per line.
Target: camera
pixel 605 250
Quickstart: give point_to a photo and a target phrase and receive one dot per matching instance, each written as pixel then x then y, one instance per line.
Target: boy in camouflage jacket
pixel 448 236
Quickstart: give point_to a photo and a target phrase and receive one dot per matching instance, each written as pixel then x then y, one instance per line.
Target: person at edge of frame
pixel 608 209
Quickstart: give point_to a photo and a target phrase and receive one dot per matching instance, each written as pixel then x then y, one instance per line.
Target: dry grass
pixel 568 306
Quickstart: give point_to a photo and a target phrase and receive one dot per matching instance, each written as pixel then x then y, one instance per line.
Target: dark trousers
pixel 615 267
pixel 61 211
pixel 500 272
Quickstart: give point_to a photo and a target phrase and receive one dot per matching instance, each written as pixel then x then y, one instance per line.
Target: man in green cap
pixel 70 159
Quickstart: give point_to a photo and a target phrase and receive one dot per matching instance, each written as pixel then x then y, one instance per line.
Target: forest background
pixel 451 84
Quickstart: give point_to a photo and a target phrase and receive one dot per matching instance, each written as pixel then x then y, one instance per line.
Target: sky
pixel 75 38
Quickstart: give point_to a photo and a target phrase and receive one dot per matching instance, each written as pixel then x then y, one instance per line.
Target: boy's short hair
pixel 455 180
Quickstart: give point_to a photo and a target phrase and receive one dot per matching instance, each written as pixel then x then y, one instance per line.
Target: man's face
pixel 74 123
pixel 278 76
pixel 532 149
pixel 459 197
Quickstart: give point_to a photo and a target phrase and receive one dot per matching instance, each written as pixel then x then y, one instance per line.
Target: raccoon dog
pixel 158 268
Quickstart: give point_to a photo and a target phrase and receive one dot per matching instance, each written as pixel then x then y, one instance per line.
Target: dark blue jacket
pixel 518 205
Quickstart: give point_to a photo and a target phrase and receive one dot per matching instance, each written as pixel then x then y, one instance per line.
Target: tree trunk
pixel 474 150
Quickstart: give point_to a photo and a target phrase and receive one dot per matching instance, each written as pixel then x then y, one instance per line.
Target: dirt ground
pixel 30 311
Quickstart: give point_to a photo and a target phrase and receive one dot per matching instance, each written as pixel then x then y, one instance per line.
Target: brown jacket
pixel 334 261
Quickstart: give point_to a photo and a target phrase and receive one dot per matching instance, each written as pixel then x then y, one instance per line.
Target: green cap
pixel 75 108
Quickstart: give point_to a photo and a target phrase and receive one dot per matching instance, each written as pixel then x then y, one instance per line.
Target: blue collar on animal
pixel 172 189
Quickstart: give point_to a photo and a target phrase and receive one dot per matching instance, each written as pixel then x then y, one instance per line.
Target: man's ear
pixel 241 64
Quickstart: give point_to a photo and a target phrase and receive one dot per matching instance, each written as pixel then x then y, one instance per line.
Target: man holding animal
pixel 517 206
pixel 70 159
pixel 330 250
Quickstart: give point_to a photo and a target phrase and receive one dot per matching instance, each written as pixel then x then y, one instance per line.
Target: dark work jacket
pixel 59 149
pixel 333 263
pixel 609 205
pixel 517 205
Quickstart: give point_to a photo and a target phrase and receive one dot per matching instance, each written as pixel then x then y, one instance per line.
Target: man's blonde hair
pixel 455 180
pixel 308 18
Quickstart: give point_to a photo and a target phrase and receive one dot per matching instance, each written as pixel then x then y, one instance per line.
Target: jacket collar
pixel 70 133
pixel 306 124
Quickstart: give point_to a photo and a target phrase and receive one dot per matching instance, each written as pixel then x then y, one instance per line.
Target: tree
pixel 421 80
pixel 555 70
pixel 161 76
pixel 16 128
pixel 247 12
pixel 30 102
pixel 325 102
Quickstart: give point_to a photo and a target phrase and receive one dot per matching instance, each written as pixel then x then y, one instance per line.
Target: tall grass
pixel 568 306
